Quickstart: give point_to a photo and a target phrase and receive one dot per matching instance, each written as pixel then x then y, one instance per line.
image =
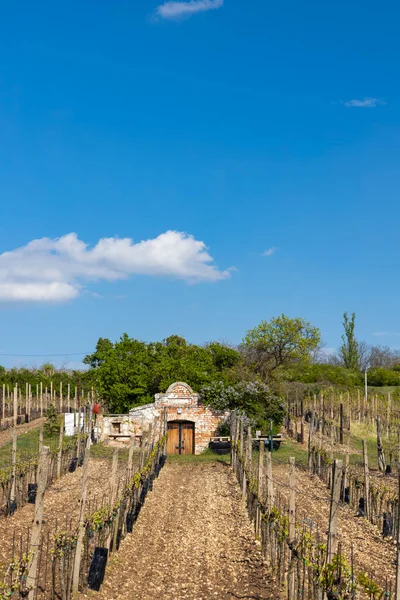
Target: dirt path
pixel 7 435
pixel 192 540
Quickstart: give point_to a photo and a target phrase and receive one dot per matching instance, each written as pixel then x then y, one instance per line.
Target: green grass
pixel 205 457
pixel 290 448
pixel 102 451
pixel 28 444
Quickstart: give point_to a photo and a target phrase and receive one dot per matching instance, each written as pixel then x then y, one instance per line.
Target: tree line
pixel 129 372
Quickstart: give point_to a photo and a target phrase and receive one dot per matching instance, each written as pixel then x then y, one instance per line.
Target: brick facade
pixel 181 404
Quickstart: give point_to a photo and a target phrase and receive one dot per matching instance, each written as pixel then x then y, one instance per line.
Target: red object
pixel 96 409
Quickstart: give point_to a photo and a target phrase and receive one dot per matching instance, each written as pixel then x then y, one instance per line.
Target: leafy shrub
pixel 381 377
pixel 323 373
pixel 51 425
pixel 253 398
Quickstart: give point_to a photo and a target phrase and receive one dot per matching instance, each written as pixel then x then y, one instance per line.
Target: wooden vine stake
pixel 366 479
pixel 13 467
pixel 334 510
pixel 113 488
pixel 40 439
pixel 310 436
pixel 130 456
pixel 81 530
pixel 292 500
pixel 397 594
pixel 341 424
pixel 292 525
pixel 260 487
pixel 60 443
pixel 381 454
pixel 270 483
pixel 15 405
pixel 38 520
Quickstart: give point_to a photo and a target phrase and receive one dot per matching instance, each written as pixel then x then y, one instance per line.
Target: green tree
pixel 279 342
pixel 121 372
pixel 349 350
pixel 129 372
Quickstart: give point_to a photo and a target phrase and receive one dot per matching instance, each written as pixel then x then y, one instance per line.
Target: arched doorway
pixel 180 437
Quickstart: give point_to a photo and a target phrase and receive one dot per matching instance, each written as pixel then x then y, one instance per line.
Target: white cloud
pixel 177 10
pixel 53 270
pixel 270 251
pixel 384 333
pixel 365 103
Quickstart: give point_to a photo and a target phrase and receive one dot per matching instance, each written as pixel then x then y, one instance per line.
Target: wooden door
pixel 187 438
pixel 173 438
pixel 180 437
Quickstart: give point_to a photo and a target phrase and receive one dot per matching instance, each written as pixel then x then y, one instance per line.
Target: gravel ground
pixel 61 506
pixel 372 554
pixel 193 540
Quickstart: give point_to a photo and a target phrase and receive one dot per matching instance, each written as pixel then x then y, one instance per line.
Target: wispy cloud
pixel 56 270
pixel 365 103
pixel 270 251
pixel 385 333
pixel 178 10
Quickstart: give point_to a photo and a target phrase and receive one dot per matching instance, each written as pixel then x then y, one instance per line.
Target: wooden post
pixel 397 591
pixel 302 420
pixel 310 435
pixel 249 450
pixel 61 397
pixel 69 397
pixel 379 444
pixel 38 520
pixel 270 483
pixel 113 478
pixel 366 479
pixel 113 487
pixel 40 439
pixel 29 402
pixel 261 472
pixel 81 530
pixel 334 510
pixel 4 401
pixel 247 462
pixel 292 500
pixel 346 469
pixel 341 424
pixel 51 395
pixel 241 433
pixel 59 454
pixel 26 397
pixel 389 403
pixel 41 398
pixel 130 456
pixel 13 467
pixel 15 405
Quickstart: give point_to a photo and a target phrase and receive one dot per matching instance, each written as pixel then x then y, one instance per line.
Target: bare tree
pixel 383 356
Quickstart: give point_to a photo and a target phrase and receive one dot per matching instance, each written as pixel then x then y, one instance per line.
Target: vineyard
pixel 324 507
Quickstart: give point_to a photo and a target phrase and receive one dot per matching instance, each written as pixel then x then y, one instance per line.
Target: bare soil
pixel 193 540
pixel 373 555
pixel 61 507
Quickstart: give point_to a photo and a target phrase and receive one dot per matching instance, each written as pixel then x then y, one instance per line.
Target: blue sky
pixel 242 125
